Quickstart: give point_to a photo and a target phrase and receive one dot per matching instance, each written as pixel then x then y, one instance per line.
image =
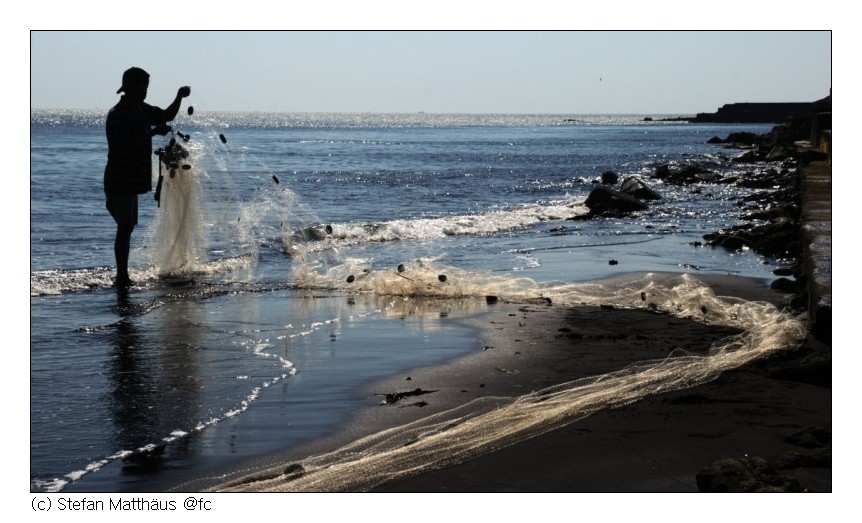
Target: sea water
pixel 282 264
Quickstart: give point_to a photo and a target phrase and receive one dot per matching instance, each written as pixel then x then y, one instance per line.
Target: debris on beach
pixel 394 397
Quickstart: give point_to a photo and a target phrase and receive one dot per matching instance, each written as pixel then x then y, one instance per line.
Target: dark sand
pixel 655 445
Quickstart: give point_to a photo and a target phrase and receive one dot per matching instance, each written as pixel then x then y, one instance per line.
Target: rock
pixel 743 138
pixel 746 157
pixel 810 437
pixel 777 153
pixel 603 200
pixel 636 187
pixel 681 175
pixel 784 285
pixel 732 242
pixel 610 177
pixel 820 458
pixel 748 474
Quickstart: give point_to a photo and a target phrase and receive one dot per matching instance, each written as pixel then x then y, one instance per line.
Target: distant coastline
pixel 771 112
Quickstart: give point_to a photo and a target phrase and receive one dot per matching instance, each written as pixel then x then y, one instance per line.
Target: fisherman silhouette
pixel 130 127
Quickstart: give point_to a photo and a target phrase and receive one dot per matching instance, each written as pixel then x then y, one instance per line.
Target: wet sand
pixel 657 444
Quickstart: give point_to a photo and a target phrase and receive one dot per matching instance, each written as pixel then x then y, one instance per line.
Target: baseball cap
pixel 133 76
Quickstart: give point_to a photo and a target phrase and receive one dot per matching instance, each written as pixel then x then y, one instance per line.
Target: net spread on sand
pixel 490 423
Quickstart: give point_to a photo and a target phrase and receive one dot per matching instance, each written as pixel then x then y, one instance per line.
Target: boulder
pixel 636 187
pixel 810 437
pixel 603 200
pixel 683 174
pixel 743 138
pixel 820 458
pixel 746 157
pixel 610 177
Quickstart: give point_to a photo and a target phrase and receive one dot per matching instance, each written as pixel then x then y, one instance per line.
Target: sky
pixel 465 71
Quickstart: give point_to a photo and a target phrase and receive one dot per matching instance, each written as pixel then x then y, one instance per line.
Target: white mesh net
pixel 491 423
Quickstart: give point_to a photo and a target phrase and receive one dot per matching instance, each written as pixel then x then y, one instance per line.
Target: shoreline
pixel 656 444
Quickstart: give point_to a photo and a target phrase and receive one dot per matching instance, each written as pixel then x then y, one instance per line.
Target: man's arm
pixel 172 110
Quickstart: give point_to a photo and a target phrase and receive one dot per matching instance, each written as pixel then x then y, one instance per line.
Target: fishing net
pixel 491 423
pixel 202 225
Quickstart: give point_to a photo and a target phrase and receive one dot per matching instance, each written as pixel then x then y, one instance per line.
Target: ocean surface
pixel 284 263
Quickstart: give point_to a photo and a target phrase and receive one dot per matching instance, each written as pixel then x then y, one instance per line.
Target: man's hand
pixel 184 91
pixel 161 130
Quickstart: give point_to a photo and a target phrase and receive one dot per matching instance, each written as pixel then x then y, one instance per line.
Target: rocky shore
pixel 788 219
pixel 789 210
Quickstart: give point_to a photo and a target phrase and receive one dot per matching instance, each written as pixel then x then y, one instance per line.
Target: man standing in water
pixel 130 127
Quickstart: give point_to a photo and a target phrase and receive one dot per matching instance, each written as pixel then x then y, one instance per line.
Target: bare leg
pixel 122 245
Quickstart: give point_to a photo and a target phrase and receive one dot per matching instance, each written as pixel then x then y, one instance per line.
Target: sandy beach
pixel 659 443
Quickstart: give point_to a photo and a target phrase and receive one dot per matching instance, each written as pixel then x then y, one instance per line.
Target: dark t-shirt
pixel 130 146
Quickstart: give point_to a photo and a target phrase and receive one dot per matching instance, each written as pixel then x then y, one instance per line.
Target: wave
pixel 301 242
pixel 52 282
pixel 318 238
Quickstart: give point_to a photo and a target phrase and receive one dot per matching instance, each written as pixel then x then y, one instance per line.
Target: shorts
pixel 123 208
